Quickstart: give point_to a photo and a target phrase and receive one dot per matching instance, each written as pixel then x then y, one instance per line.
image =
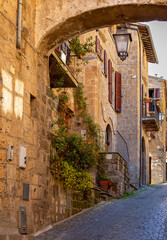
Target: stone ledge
pixel 16 237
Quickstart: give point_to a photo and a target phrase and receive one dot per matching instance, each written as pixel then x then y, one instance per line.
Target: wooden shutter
pixel 157 93
pixel 105 63
pixel 110 81
pixel 68 59
pixel 117 91
pixel 97 45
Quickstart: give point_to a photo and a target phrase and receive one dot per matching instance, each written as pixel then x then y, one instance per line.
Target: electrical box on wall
pixel 22 160
pixel 10 152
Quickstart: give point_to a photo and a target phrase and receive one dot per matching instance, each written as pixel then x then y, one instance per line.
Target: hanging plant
pixel 79 49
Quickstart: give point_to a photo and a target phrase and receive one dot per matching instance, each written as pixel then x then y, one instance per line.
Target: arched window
pixel 108 138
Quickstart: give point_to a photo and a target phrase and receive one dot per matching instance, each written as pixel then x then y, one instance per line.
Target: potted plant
pixel 105 183
pixel 147 100
pixel 79 49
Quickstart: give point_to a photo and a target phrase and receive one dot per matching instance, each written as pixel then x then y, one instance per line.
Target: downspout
pixel 141 113
pixel 19 17
pixel 134 27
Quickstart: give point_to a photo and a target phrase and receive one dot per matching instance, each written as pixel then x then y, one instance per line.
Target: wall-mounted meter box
pixel 22 159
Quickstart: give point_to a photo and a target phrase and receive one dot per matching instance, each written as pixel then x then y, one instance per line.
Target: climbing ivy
pixel 92 128
pixel 71 156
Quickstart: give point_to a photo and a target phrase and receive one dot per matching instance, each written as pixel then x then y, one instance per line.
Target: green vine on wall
pixel 71 156
pixel 92 128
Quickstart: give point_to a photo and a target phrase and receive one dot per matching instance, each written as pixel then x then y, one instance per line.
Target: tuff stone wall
pixel 117 170
pixel 96 84
pixel 59 21
pixel 25 120
pixel 17 127
pixel 129 118
pixel 26 108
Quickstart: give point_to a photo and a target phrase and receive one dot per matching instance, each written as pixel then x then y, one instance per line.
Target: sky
pixel 159 35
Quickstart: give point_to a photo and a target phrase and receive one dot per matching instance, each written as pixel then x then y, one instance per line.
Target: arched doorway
pixel 143 163
pixel 108 139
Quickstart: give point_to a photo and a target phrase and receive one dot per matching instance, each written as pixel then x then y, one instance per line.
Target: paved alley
pixel 143 216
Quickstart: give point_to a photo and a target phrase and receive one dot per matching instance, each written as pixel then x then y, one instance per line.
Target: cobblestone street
pixel 143 216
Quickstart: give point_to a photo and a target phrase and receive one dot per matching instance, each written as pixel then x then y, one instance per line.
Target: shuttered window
pixel 110 81
pixel 97 45
pixel 117 91
pixel 157 93
pixel 105 63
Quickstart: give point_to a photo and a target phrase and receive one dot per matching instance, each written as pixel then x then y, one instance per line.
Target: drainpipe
pixel 19 17
pixel 134 27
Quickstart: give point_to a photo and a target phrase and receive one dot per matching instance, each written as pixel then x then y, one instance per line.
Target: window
pixel 110 81
pixel 33 107
pixel 117 91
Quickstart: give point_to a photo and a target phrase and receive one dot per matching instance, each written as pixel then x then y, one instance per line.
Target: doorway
pixel 143 163
pixel 149 170
pixel 108 139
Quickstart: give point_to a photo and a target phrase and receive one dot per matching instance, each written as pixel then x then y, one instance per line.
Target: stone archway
pixel 58 21
pixel 108 138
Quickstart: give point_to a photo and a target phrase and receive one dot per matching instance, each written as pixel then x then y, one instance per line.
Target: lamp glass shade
pixel 122 42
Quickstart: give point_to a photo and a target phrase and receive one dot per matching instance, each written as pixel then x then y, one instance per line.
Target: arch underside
pixel 96 19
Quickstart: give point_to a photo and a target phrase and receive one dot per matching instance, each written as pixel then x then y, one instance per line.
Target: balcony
pixel 61 75
pixel 150 118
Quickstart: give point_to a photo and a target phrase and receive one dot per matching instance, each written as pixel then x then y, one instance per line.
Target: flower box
pixel 147 100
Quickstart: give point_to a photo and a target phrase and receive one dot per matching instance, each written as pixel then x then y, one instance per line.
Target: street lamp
pixel 122 41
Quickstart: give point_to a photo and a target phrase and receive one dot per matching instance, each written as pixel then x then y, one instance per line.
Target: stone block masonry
pixel 117 171
pixel 26 104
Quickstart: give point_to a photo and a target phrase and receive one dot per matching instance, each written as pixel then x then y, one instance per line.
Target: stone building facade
pixel 134 86
pixel 157 140
pixel 26 184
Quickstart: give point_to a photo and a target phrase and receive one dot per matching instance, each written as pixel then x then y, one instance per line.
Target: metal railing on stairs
pixel 114 144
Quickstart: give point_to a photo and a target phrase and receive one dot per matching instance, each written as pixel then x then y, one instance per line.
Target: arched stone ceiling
pixel 59 20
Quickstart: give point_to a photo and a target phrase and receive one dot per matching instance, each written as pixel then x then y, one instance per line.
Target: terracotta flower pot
pixel 109 183
pixel 105 184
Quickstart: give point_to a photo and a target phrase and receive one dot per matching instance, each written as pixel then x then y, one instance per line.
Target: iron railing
pixel 115 144
pixel 121 146
pixel 150 110
pixel 70 60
